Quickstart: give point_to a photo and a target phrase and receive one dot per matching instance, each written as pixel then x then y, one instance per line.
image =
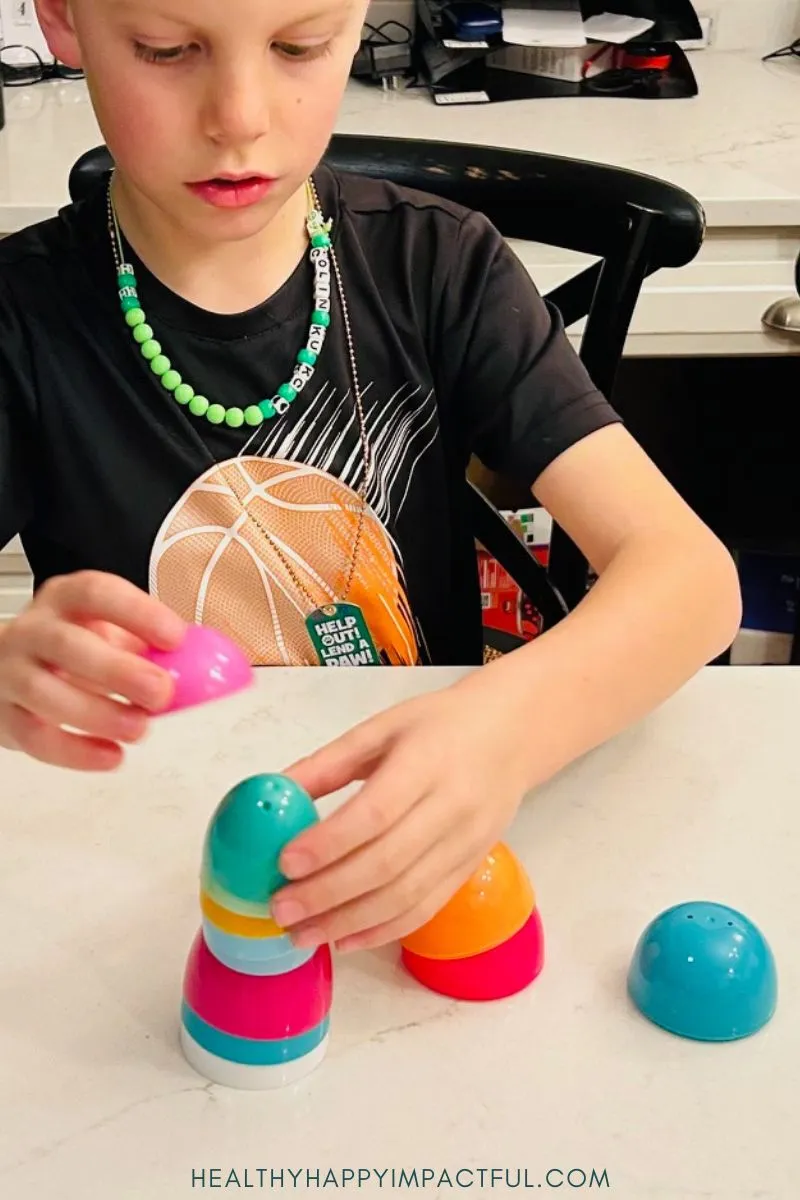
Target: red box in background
pixel 505 609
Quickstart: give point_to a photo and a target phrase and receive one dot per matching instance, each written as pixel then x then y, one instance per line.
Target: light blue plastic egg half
pixel 255 956
pixel 248 832
pixel 704 971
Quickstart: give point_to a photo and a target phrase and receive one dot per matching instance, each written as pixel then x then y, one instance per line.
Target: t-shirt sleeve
pixel 508 372
pixel 17 405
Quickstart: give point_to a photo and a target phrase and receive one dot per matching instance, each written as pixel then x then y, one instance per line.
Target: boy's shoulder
pixel 47 238
pixel 41 252
pixel 376 203
pixel 369 195
pixel 411 235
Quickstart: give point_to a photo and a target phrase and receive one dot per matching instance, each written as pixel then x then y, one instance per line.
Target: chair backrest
pixel 632 224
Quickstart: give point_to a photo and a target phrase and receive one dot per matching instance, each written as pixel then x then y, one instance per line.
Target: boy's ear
pixel 55 18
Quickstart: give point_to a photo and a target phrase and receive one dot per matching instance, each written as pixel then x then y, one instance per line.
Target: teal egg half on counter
pixel 703 970
pixel 247 833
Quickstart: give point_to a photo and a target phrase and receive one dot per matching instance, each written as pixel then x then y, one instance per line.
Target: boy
pixel 213 404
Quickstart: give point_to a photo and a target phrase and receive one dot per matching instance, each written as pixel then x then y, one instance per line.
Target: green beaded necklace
pixel 151 350
pixel 322 255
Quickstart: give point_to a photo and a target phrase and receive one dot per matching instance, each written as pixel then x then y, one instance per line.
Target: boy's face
pixel 189 91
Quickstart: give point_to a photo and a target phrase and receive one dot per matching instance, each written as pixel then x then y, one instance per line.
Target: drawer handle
pixel 784 316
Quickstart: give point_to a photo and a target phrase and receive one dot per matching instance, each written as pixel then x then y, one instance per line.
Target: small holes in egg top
pixel 690 916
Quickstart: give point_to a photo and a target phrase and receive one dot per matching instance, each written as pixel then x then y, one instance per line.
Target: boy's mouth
pixel 228 191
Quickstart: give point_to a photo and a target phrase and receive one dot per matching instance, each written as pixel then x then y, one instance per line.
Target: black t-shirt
pixel 457 354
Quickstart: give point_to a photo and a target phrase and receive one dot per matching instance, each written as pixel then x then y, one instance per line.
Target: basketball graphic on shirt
pixel 256 544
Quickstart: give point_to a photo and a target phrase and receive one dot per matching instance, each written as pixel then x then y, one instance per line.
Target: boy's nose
pixel 237 110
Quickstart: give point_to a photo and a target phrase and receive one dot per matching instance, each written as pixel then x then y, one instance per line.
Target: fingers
pixel 44 695
pixel 89 629
pixel 94 595
pixel 400 926
pixel 386 795
pixel 394 910
pixel 390 877
pixel 85 655
pixel 82 654
pixel 376 864
pixel 55 747
pixel 73 665
pixel 348 758
pixel 120 638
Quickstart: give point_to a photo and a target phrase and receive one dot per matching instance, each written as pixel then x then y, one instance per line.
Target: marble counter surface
pixel 736 146
pixel 98 904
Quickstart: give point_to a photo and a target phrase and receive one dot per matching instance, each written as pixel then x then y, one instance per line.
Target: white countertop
pixel 98 904
pixel 736 146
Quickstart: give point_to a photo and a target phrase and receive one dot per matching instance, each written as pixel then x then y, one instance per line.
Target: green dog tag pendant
pixel 341 638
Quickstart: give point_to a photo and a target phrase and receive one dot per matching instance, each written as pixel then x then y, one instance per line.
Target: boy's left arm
pixel 445 773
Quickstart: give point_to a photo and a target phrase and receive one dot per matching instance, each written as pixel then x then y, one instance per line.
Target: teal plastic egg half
pixel 248 832
pixel 704 971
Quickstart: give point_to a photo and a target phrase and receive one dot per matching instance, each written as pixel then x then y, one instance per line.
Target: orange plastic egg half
pixel 493 905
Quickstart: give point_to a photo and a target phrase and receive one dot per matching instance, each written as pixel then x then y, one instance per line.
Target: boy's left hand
pixel 443 777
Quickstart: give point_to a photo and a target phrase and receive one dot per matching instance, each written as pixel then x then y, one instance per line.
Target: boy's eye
pixel 155 54
pixel 302 53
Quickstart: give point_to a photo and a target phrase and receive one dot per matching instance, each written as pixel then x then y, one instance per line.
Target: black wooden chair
pixel 632 224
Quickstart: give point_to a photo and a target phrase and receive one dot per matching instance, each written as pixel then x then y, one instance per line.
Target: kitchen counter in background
pixel 736 147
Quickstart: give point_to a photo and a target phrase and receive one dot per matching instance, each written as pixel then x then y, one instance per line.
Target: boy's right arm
pixel 72 659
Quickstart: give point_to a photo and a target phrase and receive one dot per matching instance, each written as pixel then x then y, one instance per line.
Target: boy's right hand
pixel 69 657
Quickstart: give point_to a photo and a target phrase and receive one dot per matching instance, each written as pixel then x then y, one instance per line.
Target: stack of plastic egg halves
pixel 256 1009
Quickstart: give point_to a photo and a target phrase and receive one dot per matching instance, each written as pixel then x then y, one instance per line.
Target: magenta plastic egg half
pixel 206 666
pixel 492 975
pixel 258 1006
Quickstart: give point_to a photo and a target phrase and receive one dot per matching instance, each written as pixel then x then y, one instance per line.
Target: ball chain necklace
pixel 338 632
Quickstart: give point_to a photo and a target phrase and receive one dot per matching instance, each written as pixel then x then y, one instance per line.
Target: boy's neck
pixel 220 277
